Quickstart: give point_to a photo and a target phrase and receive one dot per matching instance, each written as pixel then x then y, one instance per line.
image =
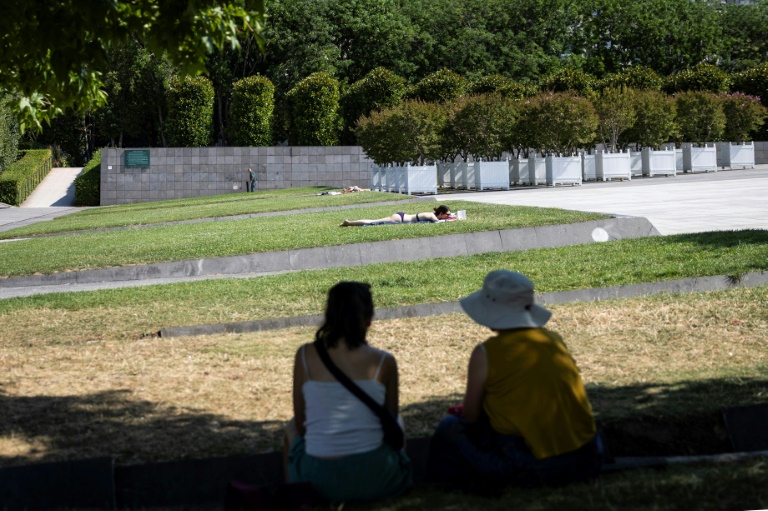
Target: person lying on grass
pixel 440 213
pixel 335 441
pixel 526 418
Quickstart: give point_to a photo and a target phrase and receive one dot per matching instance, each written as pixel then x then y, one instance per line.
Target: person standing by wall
pixel 250 185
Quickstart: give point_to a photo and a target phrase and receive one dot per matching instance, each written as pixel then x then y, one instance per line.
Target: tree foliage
pixel 701 77
pixel 559 123
pixel 617 112
pixel 700 117
pixel 377 90
pixel 743 116
pixel 190 112
pixel 314 111
pixel 480 124
pixel 655 114
pixel 440 86
pixel 408 133
pixel 54 55
pixel 9 135
pixel 568 79
pixel 253 103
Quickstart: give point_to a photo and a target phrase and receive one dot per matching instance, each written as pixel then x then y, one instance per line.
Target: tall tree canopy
pixel 53 55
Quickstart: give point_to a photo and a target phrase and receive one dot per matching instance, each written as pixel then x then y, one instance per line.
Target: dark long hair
pixel 441 210
pixel 347 315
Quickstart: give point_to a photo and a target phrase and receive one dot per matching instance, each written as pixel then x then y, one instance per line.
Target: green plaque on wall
pixel 137 159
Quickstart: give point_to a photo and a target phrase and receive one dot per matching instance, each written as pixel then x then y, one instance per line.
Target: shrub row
pixel 88 183
pixel 9 135
pixel 485 126
pixel 21 177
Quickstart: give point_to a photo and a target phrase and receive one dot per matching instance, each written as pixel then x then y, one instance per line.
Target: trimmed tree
pixel 253 103
pixel 313 106
pixel 655 114
pixel 503 86
pixel 701 77
pixel 754 81
pixel 616 111
pixel 377 90
pixel 700 117
pixel 635 77
pixel 559 123
pixel 743 115
pixel 440 86
pixel 568 79
pixel 480 124
pixel 190 112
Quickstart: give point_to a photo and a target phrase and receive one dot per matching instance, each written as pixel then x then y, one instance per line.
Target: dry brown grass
pixel 161 399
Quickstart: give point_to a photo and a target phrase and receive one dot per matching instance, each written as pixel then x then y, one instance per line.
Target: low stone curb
pixel 359 254
pixel 698 284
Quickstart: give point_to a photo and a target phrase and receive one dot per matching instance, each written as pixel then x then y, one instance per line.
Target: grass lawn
pixel 253 235
pixel 150 399
pixel 202 207
pixel 132 312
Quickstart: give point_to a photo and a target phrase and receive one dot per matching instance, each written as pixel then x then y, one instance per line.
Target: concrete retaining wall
pixel 177 173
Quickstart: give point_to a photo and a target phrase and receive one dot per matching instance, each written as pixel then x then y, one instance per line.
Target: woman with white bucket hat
pixel 526 418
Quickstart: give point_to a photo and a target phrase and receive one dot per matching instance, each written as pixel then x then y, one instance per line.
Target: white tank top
pixel 338 423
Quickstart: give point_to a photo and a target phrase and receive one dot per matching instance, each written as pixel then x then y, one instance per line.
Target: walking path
pixel 725 200
pixel 56 190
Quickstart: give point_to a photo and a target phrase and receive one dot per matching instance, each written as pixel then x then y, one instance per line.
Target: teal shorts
pixel 378 474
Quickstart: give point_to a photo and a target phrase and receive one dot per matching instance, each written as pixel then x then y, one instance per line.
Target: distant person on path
pixel 335 441
pixel 526 419
pixel 250 185
pixel 440 213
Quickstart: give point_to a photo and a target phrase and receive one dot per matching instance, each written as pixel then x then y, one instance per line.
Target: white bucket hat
pixel 505 301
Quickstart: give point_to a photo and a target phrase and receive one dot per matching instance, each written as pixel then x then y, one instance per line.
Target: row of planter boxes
pixel 558 170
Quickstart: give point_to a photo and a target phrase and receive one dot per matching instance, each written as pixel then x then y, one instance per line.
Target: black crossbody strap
pixel 348 383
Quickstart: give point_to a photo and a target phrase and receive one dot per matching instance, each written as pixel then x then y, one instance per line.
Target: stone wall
pixel 176 173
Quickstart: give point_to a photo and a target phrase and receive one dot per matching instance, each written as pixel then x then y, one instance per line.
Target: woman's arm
pixel 476 377
pixel 389 377
pixel 299 407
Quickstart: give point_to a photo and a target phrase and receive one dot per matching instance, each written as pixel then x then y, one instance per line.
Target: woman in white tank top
pixel 334 440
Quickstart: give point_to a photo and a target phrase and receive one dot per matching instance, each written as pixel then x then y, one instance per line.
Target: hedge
pixel 22 177
pixel 314 111
pixel 376 91
pixel 190 112
pixel 88 183
pixel 440 86
pixel 250 115
pixel 9 135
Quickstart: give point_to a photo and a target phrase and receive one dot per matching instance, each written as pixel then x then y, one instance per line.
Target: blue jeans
pixel 463 454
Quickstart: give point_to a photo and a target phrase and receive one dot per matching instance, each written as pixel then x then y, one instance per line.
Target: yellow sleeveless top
pixel 534 390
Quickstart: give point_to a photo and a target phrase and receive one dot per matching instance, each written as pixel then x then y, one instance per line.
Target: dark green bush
pixel 754 81
pixel 250 114
pixel 635 77
pixel 700 117
pixel 440 86
pixel 701 77
pixel 408 133
pixel 568 79
pixel 377 90
pixel 22 177
pixel 743 115
pixel 190 112
pixel 654 124
pixel 480 125
pixel 9 135
pixel 88 183
pixel 314 111
pixel 559 123
pixel 505 87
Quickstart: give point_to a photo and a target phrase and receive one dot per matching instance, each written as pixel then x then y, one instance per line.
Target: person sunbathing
pixel 440 213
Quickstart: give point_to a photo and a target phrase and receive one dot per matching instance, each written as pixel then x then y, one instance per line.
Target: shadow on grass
pixel 640 420
pixel 724 239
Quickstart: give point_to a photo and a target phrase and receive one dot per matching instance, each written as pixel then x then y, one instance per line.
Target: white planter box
pixel 612 166
pixel 377 174
pixel 699 159
pixel 418 179
pixel 588 167
pixel 518 171
pixel 659 163
pixel 463 175
pixel 444 174
pixel 492 174
pixel 737 155
pixel 562 170
pixel 537 170
pixel 636 163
